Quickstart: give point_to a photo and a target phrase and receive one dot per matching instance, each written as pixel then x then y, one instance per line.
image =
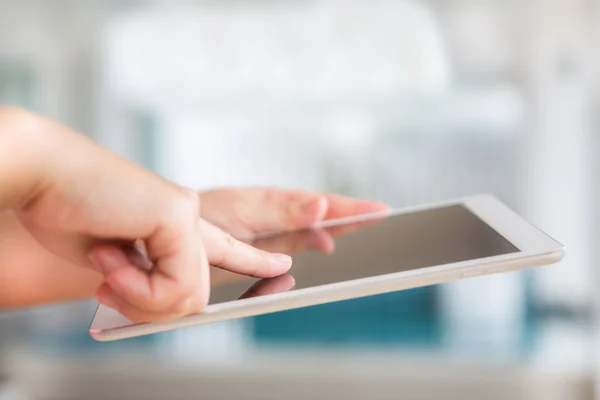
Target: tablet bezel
pixel 535 248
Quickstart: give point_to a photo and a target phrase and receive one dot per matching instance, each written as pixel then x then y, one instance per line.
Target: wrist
pixel 22 162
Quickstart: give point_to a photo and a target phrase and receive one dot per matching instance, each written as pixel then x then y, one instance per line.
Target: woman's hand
pixel 247 212
pixel 69 203
pixel 89 206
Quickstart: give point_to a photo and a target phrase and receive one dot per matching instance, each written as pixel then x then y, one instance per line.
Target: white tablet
pixel 367 255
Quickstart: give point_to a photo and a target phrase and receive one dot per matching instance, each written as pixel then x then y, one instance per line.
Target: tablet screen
pixel 397 243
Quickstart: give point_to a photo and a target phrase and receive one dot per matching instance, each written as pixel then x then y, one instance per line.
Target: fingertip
pixel 329 250
pixel 371 206
pixel 288 281
pixel 328 245
pixel 383 207
pixel 279 264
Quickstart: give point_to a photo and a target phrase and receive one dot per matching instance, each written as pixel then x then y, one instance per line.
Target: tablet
pixel 367 255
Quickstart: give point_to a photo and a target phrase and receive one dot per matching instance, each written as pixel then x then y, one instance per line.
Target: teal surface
pixel 409 316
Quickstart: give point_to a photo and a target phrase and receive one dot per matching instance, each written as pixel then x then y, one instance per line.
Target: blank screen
pixel 397 243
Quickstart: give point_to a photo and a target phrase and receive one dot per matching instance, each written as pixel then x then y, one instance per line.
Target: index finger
pixel 224 251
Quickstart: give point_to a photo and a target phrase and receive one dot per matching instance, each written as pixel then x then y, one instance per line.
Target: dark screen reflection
pixel 352 251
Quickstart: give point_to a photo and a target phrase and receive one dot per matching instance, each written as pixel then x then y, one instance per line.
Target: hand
pixel 248 212
pixel 90 207
pixel 244 213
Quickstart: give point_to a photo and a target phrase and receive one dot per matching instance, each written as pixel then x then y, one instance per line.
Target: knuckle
pixel 191 199
pixel 182 307
pixel 230 241
pixel 229 245
pixel 170 235
pixel 190 305
pixel 186 206
pixel 262 255
pixel 198 302
pixel 182 215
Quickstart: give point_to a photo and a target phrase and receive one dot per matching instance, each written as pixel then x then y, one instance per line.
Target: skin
pixel 77 220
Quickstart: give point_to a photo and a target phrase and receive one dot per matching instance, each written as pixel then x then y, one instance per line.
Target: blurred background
pixel 400 101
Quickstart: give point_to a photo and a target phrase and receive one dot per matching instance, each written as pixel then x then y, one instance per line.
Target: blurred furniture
pixel 314 374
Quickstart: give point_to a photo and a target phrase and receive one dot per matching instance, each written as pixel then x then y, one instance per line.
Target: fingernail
pixel 366 206
pixel 109 259
pixel 383 206
pixel 282 259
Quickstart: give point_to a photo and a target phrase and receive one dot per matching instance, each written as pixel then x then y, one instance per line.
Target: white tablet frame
pixel 536 249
